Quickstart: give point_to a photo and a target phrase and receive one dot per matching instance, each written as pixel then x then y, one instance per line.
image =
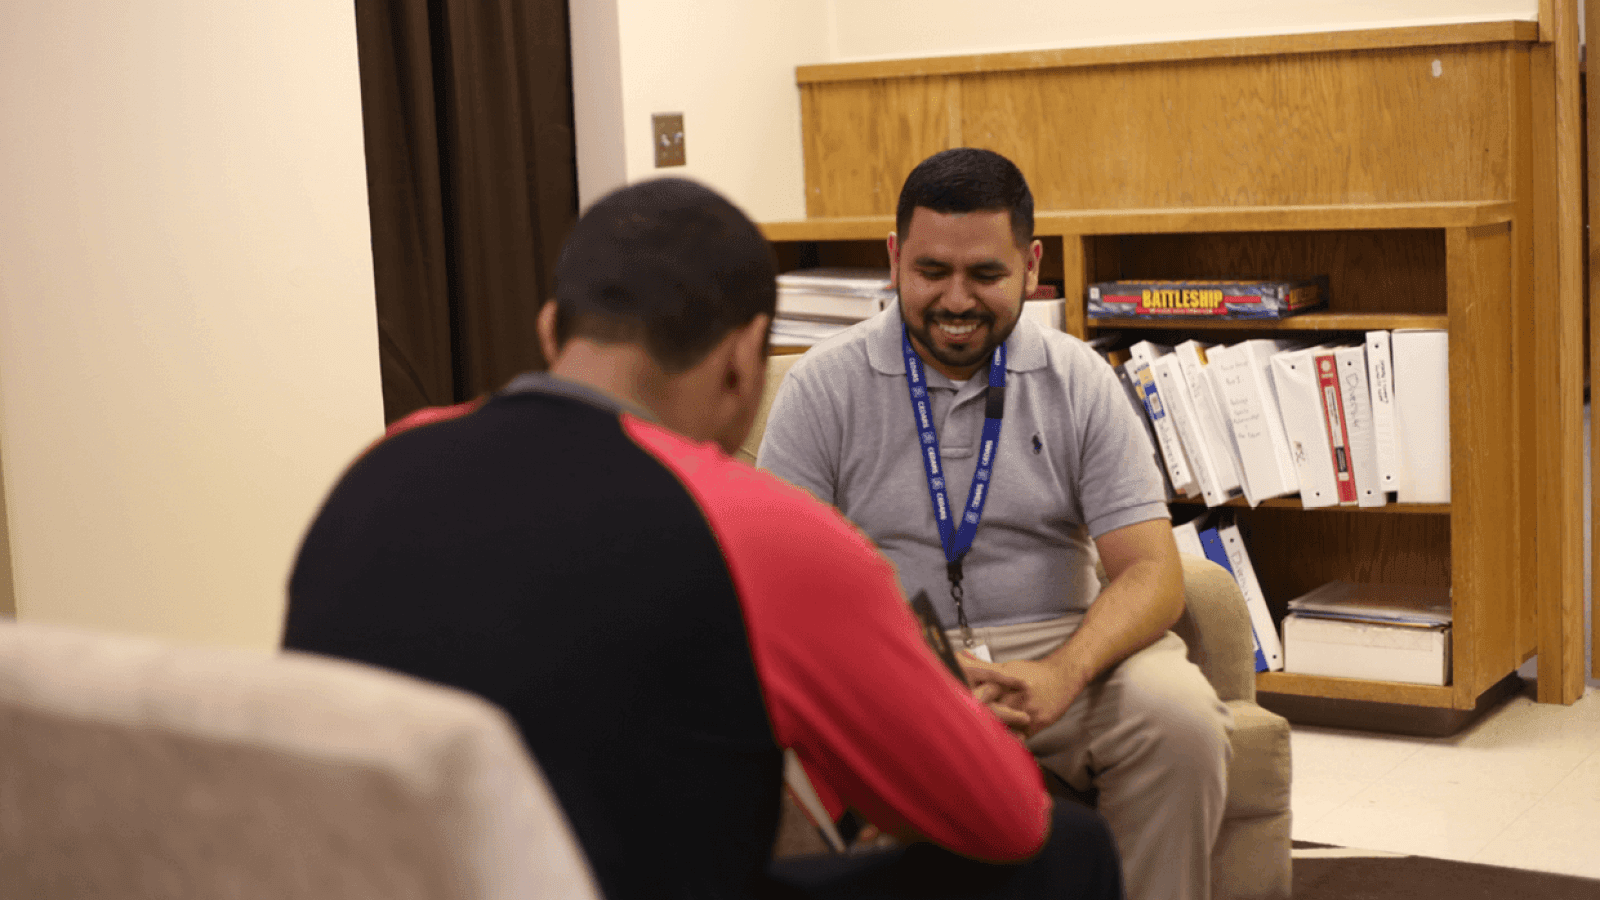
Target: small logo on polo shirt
pixel 1037 445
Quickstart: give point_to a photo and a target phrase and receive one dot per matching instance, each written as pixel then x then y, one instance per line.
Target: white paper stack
pixel 835 294
pixel 1381 632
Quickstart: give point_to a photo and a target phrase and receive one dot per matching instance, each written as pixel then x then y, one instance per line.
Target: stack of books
pixel 1385 632
pixel 815 304
pixel 1352 423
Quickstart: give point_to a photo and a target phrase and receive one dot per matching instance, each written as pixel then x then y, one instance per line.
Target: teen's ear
pixel 747 362
pixel 546 328
pixel 743 378
pixel 894 261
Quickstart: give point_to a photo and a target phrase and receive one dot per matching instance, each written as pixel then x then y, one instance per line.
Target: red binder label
pixel 1333 416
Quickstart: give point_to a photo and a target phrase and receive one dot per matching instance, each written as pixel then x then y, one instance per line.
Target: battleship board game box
pixel 1266 299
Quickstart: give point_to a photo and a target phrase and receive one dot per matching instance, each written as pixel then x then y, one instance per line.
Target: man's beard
pixel 959 359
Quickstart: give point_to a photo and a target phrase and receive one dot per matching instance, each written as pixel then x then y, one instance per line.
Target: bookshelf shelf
pixel 1165 220
pixel 1426 509
pixel 1306 322
pixel 1354 689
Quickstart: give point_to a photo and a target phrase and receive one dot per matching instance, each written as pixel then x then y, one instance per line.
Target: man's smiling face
pixel 961 279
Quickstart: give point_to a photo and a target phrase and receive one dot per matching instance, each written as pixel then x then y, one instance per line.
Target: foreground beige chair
pixel 1252 857
pixel 133 769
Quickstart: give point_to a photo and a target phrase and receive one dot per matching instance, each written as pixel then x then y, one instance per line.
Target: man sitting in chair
pixel 663 623
pixel 952 396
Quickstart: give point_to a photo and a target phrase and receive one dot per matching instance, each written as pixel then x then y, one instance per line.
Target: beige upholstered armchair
pixel 130 768
pixel 1252 857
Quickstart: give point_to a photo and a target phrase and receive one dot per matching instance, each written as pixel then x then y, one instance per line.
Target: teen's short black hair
pixel 965 180
pixel 667 263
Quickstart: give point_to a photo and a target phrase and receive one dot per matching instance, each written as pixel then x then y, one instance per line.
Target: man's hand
pixel 1002 693
pixel 1032 694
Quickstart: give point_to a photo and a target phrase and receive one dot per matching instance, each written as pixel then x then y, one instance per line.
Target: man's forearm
pixel 1132 613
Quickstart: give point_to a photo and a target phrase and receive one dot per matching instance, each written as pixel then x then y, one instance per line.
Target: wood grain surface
pixel 903 121
pixel 1558 351
pixel 1592 34
pixel 1311 129
pixel 1185 219
pixel 1357 689
pixel 1175 51
pixel 1482 458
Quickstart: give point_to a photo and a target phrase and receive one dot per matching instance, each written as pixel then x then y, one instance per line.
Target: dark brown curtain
pixel 472 185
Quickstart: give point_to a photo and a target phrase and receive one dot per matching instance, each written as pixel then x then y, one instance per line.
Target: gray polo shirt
pixel 1073 463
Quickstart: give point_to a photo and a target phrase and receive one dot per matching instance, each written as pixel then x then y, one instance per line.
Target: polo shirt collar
pixel 545 383
pixel 1024 348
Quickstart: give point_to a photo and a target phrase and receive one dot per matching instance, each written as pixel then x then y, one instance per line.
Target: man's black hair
pixel 668 264
pixel 965 180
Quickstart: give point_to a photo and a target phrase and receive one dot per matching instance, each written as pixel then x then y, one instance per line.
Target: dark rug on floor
pixel 1407 877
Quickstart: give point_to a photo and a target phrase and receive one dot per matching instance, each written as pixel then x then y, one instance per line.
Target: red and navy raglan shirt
pixel 661 622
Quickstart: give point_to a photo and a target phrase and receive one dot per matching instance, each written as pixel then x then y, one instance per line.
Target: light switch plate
pixel 667 134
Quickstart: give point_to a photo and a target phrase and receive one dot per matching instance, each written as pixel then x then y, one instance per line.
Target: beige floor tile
pixel 1313 796
pixel 1560 833
pixel 1428 820
pixel 1529 766
pixel 1362 756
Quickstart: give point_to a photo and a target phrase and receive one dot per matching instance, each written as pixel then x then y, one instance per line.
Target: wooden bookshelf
pixel 1452 274
pixel 1415 167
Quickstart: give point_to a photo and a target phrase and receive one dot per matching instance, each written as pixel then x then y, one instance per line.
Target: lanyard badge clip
pixel 953 570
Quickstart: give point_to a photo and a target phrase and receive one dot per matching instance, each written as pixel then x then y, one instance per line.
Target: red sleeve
pixel 425 416
pixel 430 414
pixel 850 685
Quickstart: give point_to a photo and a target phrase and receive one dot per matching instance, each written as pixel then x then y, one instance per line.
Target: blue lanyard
pixel 956 538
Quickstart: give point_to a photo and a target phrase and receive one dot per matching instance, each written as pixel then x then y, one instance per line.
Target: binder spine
pixel 1333 414
pixel 1169 382
pixel 1211 545
pixel 1266 633
pixel 1171 451
pixel 1214 429
pixel 1358 420
pixel 1380 387
pixel 1135 396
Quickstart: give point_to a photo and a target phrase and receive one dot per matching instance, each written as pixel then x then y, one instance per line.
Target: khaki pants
pixel 1152 737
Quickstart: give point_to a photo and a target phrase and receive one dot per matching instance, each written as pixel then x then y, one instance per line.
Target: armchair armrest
pixel 1216 626
pixel 777 367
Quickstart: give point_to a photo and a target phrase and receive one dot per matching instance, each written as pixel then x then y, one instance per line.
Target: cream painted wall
pixel 728 65
pixel 597 98
pixel 883 29
pixel 188 347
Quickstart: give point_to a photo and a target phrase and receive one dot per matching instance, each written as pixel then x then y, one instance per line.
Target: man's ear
pixel 546 327
pixel 1034 255
pixel 894 261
